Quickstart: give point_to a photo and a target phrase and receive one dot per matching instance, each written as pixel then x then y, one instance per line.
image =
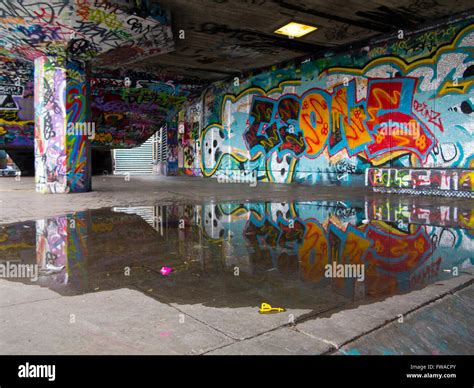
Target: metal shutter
pixel 135 161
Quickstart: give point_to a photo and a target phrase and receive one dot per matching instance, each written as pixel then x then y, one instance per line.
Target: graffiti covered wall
pixel 129 108
pixel 16 103
pixel 400 103
pixel 126 108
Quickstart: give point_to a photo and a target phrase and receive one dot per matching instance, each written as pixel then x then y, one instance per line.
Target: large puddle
pixel 243 254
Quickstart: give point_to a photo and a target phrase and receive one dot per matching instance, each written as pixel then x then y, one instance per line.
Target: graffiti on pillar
pixel 77 142
pixel 335 117
pixel 50 132
pixel 189 149
pixel 62 155
pixel 172 151
pixel 187 143
pixel 189 146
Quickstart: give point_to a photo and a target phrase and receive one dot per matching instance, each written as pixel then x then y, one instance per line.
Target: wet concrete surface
pixel 100 289
pixel 19 201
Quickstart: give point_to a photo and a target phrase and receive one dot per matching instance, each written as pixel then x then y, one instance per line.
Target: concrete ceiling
pixel 223 38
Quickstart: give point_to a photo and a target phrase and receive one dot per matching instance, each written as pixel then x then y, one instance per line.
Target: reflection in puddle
pixel 295 249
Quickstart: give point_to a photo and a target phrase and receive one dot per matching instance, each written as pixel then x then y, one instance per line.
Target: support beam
pixel 62 127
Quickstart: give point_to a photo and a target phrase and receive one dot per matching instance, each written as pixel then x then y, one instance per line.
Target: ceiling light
pixel 295 30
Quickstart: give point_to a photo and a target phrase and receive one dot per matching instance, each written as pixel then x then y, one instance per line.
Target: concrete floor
pixel 19 201
pixel 136 319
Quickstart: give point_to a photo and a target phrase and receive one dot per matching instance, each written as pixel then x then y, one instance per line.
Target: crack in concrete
pixel 184 313
pixel 29 302
pixel 333 346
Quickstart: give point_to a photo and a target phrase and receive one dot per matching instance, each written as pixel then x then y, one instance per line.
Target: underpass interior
pixel 236 177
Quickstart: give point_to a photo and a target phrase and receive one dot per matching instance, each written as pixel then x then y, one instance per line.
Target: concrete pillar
pixel 63 129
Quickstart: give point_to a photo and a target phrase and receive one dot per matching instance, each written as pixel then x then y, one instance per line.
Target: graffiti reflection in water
pixel 277 245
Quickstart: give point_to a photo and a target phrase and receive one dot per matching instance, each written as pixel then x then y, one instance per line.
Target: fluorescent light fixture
pixel 295 30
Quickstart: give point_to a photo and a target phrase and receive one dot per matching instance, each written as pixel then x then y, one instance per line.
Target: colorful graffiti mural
pixel 127 116
pixel 332 117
